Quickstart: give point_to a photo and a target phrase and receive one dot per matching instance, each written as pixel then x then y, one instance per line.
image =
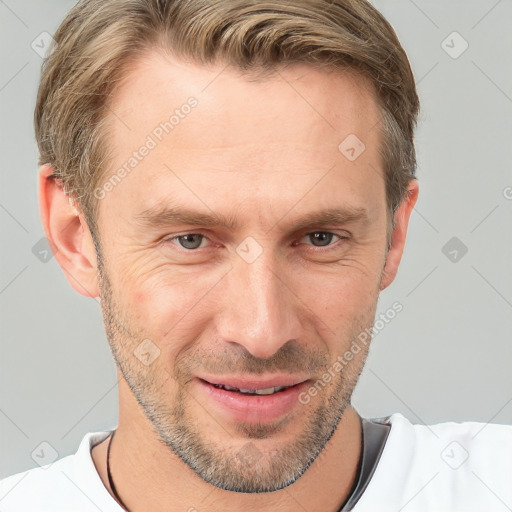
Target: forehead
pixel 155 85
pixel 217 137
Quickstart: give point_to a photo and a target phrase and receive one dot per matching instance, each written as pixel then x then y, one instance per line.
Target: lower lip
pixel 254 408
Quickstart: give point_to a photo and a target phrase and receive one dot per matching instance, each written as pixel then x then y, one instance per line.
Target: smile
pixel 265 391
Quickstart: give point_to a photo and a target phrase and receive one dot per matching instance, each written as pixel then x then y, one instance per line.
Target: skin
pixel 264 153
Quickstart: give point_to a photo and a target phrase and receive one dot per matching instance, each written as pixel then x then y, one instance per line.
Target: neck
pixel 148 476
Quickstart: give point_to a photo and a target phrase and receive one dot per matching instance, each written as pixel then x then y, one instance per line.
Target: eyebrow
pixel 166 216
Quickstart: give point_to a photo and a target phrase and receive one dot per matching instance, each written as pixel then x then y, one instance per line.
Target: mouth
pixel 249 386
pixel 253 400
pixel 262 391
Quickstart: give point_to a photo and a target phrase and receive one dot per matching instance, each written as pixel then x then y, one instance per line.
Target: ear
pixel 401 219
pixel 68 235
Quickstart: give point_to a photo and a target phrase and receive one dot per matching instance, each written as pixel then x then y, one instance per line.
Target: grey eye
pixel 188 242
pixel 321 238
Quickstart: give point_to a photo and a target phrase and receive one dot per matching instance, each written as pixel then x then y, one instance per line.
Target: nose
pixel 258 309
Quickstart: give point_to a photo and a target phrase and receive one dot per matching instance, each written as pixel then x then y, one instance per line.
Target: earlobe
pixel 68 234
pixel 401 218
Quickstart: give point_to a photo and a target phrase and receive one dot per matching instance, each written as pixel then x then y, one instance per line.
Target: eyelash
pixel 321 248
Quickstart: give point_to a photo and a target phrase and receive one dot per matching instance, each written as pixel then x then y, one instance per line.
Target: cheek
pixel 341 304
pixel 169 305
pixel 157 305
pixel 348 285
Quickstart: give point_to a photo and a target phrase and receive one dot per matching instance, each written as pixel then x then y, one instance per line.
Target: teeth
pixel 266 391
pixel 229 388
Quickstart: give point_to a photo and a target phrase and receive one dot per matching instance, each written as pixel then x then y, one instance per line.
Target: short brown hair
pixel 98 40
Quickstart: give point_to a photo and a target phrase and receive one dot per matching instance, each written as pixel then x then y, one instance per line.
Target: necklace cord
pixel 110 480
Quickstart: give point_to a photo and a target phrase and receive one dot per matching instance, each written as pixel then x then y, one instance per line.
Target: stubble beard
pixel 248 468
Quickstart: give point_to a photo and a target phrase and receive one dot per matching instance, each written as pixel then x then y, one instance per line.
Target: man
pixel 234 180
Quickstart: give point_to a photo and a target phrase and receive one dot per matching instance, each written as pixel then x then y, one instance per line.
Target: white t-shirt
pixel 437 468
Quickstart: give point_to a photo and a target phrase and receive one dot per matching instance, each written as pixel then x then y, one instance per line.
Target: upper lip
pixel 253 383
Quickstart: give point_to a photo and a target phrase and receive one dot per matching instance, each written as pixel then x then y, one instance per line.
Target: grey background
pixel 446 356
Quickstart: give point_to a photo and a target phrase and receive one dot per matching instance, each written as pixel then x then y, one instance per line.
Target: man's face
pixel 271 296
